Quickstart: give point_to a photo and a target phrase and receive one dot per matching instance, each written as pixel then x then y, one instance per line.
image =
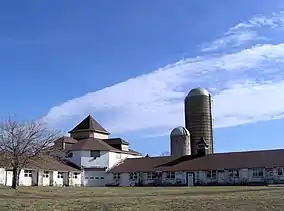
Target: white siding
pixel 75 179
pixel 124 180
pixel 83 158
pixel 27 177
pixel 88 134
pixel 100 136
pixel 222 177
pixel 115 158
pixel 124 147
pixel 2 176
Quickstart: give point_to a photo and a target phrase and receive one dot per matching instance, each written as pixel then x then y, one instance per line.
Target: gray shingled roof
pixel 115 141
pixel 89 124
pixel 44 162
pixel 97 144
pixel 232 160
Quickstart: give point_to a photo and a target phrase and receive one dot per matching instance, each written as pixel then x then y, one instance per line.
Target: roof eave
pixel 89 130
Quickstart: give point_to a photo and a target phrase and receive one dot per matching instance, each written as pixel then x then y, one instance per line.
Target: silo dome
pixel 180 131
pixel 198 92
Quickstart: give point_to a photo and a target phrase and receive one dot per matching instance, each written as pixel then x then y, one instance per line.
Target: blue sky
pixel 131 63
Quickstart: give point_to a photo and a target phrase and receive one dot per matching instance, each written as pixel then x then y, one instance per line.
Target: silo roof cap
pixel 198 92
pixel 180 131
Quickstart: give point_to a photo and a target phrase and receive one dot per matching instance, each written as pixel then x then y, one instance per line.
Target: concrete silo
pixel 180 142
pixel 198 118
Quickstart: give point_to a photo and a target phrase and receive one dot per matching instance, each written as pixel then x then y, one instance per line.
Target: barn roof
pixel 231 160
pixel 97 144
pixel 89 124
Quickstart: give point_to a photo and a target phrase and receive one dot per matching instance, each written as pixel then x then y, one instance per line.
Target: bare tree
pixel 20 142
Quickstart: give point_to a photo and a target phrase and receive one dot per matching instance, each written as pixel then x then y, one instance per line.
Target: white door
pixel 9 178
pixel 2 177
pixel 190 179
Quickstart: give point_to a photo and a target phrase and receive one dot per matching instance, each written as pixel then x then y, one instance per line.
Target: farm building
pixel 44 171
pixel 92 158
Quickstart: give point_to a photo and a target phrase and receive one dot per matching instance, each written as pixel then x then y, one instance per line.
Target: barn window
pixel 170 175
pixel 116 176
pixel 95 153
pixel 280 171
pixel 45 174
pixel 150 175
pixel 28 173
pixel 257 172
pixel 60 175
pixel 133 176
pixel 234 173
pixel 75 175
pixel 211 174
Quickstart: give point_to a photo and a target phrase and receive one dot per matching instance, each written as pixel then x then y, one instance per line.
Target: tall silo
pixel 198 118
pixel 180 142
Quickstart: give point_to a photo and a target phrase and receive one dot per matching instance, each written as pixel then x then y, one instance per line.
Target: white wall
pixel 87 134
pixel 29 178
pixel 115 158
pixel 221 178
pixel 2 176
pixel 37 178
pixel 82 158
pixel 75 179
pixel 124 147
pixel 100 136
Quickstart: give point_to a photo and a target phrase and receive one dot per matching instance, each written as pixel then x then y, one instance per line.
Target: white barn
pixel 42 171
pixel 90 148
pixel 236 168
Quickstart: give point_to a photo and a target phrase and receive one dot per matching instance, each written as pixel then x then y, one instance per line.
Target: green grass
pixel 135 198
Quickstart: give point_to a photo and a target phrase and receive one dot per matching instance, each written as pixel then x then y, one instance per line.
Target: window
pixel 133 176
pixel 150 175
pixel 28 173
pixel 116 176
pixel 45 174
pixel 95 153
pixel 75 175
pixel 211 174
pixel 60 175
pixel 91 177
pixel 97 177
pixel 234 173
pixel 280 172
pixel 102 178
pixel 257 172
pixel 118 155
pixel 170 175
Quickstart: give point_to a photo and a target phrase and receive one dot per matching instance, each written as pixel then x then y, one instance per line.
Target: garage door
pixel 94 178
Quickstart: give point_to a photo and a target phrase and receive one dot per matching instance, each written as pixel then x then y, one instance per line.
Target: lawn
pixel 135 198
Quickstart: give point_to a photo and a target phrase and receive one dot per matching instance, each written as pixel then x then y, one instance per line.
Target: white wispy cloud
pixel 245 32
pixel 246 88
